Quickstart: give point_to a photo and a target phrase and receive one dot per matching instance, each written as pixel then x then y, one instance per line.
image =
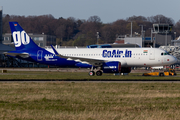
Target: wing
pixel 91 61
pixel 95 62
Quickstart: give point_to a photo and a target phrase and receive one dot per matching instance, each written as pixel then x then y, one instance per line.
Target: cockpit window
pixel 166 53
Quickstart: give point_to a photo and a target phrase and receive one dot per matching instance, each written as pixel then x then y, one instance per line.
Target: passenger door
pixel 151 55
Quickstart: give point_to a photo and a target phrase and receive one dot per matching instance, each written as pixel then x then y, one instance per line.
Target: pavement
pixel 63 69
pixel 47 69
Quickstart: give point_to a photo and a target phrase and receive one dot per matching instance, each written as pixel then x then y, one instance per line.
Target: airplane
pixel 99 60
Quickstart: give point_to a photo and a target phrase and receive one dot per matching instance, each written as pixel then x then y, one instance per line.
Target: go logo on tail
pixel 20 38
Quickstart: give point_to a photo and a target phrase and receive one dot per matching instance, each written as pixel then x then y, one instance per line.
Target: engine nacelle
pixel 111 67
pixel 125 69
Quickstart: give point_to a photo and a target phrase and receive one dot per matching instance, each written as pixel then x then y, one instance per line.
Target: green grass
pixel 76 76
pixel 89 101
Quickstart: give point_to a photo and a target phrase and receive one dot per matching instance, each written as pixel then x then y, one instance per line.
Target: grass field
pixel 89 101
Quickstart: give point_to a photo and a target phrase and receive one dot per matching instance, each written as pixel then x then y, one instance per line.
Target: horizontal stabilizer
pixel 14 54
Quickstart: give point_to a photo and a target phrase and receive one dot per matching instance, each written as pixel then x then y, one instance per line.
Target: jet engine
pixel 111 67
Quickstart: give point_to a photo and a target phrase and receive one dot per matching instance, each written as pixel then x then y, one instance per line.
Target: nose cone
pixel 173 60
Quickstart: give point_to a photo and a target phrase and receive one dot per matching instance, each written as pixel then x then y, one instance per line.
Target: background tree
pixel 78 32
pixel 160 19
pixel 136 18
pixel 107 33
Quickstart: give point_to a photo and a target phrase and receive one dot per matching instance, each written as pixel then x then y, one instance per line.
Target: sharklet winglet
pixel 55 51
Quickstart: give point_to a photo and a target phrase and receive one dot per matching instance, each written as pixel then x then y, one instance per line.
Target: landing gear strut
pixel 92 73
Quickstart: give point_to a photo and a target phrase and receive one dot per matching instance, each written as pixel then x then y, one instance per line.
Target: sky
pixel 108 10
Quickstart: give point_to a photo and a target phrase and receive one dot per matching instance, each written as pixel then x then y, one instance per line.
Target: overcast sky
pixel 108 10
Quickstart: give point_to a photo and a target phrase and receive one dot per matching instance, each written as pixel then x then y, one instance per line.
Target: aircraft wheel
pixel 161 74
pixel 98 73
pixel 91 73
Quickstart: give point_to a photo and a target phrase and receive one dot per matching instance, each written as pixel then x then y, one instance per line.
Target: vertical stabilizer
pixel 21 38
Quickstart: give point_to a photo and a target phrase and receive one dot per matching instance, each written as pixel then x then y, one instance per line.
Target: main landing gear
pixel 92 73
pixel 98 73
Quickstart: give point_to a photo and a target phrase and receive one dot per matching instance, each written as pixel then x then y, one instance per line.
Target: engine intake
pixel 111 67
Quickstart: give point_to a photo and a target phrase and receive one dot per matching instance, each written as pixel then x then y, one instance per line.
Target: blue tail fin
pixel 21 38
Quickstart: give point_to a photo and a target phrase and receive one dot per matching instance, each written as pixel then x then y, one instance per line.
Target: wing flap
pixel 83 60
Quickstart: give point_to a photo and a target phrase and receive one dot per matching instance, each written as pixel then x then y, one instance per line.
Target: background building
pixel 161 35
pixel 0 25
pixel 129 40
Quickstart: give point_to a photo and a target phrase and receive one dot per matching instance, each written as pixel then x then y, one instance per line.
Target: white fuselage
pixel 127 56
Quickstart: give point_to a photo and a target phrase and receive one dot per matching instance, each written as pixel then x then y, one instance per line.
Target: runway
pixel 91 80
pixel 75 71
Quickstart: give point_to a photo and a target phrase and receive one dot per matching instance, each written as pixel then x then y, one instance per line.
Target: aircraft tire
pixel 91 73
pixel 161 74
pixel 98 73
